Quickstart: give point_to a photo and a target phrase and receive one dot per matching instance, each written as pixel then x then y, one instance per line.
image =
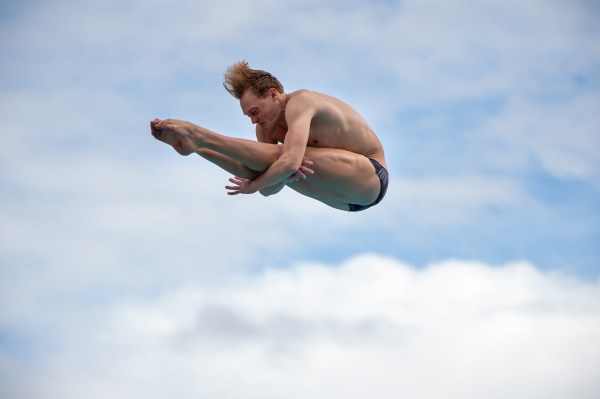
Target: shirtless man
pixel 328 151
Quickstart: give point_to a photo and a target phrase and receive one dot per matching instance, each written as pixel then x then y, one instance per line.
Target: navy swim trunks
pixel 382 173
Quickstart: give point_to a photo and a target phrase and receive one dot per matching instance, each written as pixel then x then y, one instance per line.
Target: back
pixel 337 125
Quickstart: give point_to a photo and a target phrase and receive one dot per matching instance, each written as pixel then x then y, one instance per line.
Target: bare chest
pixel 319 136
pixel 278 135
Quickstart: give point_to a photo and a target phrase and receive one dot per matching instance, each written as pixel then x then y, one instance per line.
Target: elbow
pixel 291 166
pixel 271 190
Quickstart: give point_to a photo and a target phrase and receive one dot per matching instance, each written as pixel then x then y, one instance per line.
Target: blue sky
pixel 115 250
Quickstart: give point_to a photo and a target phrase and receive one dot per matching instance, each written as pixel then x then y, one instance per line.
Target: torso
pixel 335 125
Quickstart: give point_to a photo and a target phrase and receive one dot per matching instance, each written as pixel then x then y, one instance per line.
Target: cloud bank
pixel 369 327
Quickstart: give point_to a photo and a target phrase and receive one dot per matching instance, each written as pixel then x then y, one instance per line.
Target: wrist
pixel 253 187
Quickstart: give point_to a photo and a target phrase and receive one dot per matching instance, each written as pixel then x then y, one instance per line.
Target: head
pixel 239 78
pixel 260 93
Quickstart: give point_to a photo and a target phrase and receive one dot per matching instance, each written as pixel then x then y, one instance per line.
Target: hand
pixel 302 172
pixel 242 186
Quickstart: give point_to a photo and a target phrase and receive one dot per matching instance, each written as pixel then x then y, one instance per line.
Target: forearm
pixel 277 174
pixel 271 190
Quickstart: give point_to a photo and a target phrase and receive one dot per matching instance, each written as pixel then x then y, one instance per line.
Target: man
pixel 328 151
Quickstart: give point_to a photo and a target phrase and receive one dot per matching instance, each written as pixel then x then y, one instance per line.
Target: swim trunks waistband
pixel 383 175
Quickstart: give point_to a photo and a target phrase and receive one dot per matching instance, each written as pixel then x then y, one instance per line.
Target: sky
pixel 127 272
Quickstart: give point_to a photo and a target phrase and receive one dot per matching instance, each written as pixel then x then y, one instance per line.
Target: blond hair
pixel 239 77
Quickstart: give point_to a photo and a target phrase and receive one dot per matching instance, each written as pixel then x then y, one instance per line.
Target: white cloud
pixel 562 137
pixel 452 200
pixel 370 327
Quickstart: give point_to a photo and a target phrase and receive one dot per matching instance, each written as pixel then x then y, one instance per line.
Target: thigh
pixel 348 176
pixel 312 191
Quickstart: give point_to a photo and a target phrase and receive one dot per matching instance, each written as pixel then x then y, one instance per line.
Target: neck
pixel 282 104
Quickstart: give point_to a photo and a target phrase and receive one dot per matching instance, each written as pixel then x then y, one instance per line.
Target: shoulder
pixel 302 97
pixel 301 102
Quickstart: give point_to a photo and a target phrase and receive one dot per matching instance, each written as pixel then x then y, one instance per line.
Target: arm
pixel 271 190
pixel 299 175
pixel 299 114
pixel 274 189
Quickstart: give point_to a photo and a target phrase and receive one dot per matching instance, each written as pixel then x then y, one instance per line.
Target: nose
pixel 254 120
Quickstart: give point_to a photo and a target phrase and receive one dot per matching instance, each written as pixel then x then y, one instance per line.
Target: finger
pixel 305 171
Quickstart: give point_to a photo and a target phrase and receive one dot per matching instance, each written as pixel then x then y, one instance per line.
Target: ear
pixel 273 93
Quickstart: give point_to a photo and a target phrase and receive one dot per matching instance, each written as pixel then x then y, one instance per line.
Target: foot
pixel 180 135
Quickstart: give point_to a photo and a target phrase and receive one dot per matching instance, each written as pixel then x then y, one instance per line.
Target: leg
pixel 346 176
pixel 340 175
pixel 230 165
pixel 312 191
pixel 187 138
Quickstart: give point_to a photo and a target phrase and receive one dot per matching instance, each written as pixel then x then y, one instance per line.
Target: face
pixel 262 111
